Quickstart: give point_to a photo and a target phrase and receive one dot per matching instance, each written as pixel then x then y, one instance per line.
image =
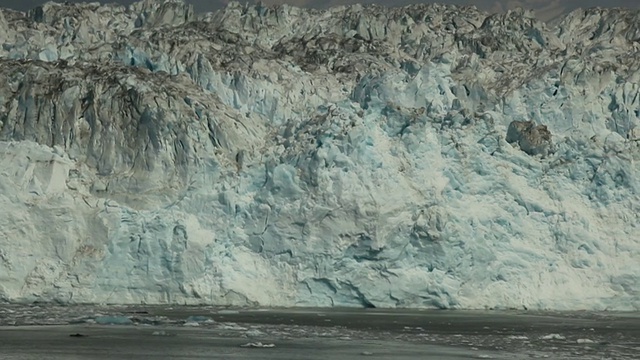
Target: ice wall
pixel 356 156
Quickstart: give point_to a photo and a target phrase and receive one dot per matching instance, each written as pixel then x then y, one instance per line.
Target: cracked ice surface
pixel 288 157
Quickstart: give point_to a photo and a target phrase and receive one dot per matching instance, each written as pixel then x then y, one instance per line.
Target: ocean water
pixel 185 332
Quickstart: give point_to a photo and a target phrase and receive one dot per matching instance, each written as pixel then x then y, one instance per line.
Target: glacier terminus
pixel 426 156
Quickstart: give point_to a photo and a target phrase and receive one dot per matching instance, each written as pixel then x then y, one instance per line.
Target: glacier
pixel 354 156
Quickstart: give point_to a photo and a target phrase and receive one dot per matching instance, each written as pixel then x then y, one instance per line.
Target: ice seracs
pixel 355 156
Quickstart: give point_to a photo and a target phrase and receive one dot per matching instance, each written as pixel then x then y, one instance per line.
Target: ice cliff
pixel 425 156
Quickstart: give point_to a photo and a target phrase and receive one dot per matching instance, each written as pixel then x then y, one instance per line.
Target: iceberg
pixel 113 320
pixel 425 156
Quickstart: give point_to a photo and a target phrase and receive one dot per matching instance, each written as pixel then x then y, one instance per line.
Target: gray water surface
pixel 163 332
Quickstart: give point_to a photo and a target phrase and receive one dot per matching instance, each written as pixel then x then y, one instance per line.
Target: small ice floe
pixel 553 337
pixel 113 320
pixel 484 356
pixel 366 353
pixel 254 333
pixel 78 320
pixel 518 337
pixel 231 326
pixel 584 341
pixel 228 312
pixel 162 333
pixel 197 318
pixel 258 345
pixel 191 324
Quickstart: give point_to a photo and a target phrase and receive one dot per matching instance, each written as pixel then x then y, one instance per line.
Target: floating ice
pixel 198 318
pixel 584 341
pixel 113 320
pixel 518 337
pixel 254 333
pixel 258 345
pixel 163 333
pixel 227 312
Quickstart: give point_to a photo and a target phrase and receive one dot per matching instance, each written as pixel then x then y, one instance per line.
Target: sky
pixel 544 9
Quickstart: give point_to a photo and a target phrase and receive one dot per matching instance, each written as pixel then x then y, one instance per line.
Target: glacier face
pixel 356 156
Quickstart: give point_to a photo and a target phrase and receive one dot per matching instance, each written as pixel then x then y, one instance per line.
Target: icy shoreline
pixel 480 334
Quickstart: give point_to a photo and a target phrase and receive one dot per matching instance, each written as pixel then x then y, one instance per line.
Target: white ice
pixel 276 156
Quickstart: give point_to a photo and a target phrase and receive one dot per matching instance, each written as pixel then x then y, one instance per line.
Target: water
pixel 163 332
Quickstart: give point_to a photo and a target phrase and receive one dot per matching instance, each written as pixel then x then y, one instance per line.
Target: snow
pixel 358 156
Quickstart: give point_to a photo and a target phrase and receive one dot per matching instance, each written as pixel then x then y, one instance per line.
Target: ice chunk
pixel 584 341
pixel 254 333
pixel 518 337
pixel 258 345
pixel 113 320
pixel 198 318
pixel 228 312
pixel 162 333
